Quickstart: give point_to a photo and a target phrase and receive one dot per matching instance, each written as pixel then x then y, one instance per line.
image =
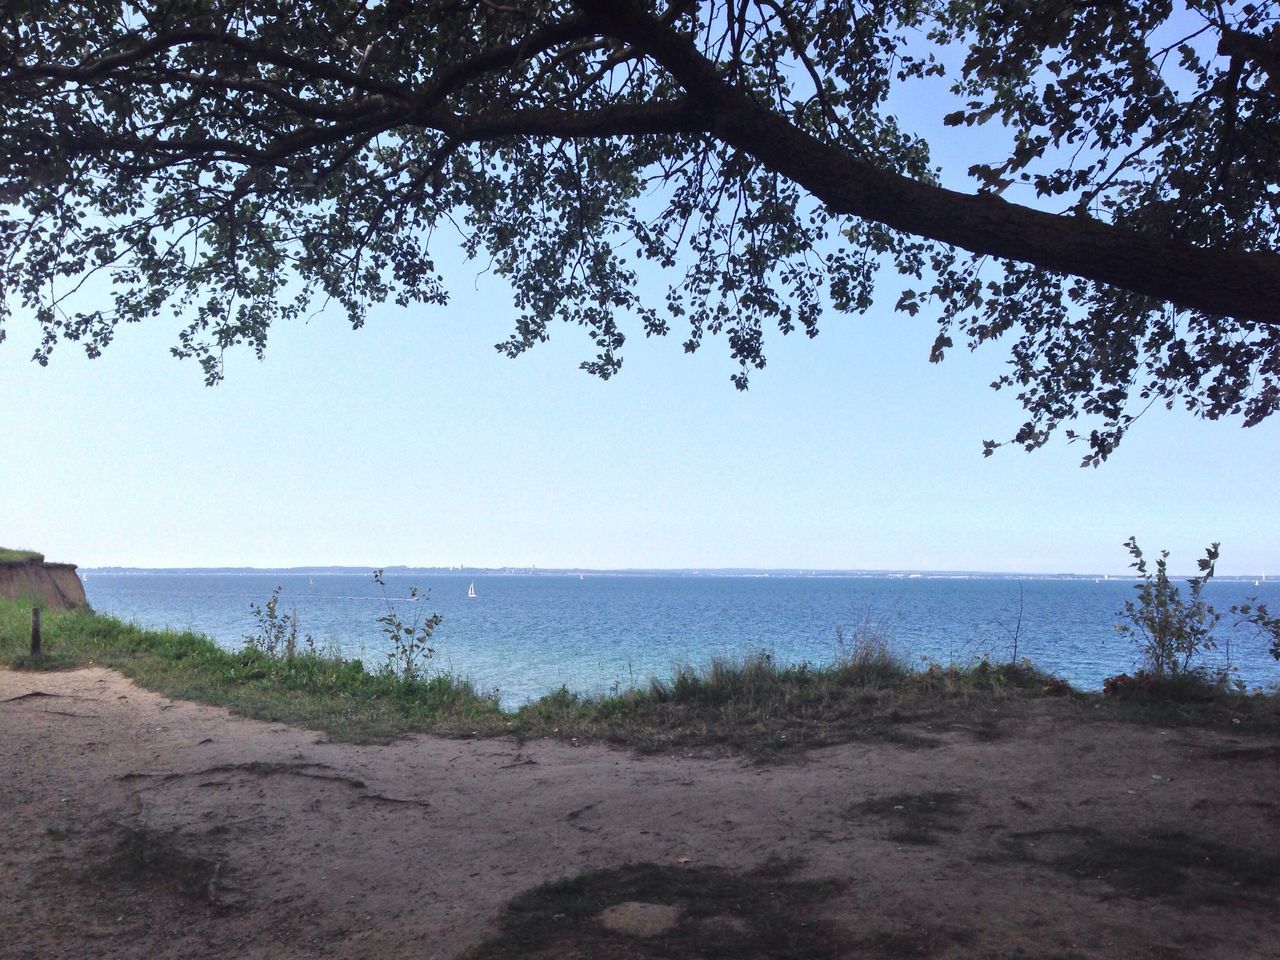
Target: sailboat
pixel 471 591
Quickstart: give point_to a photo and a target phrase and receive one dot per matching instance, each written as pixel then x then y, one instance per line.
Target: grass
pixel 764 709
pixel 1193 702
pixel 753 706
pixel 8 556
pixel 327 693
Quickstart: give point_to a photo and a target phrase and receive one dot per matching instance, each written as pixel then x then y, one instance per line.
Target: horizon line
pixel 534 570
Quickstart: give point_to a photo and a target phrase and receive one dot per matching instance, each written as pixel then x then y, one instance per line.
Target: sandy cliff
pixel 57 585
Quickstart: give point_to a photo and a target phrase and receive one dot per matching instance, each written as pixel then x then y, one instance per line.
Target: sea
pixel 522 636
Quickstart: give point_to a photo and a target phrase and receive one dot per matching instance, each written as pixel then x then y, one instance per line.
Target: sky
pixel 414 442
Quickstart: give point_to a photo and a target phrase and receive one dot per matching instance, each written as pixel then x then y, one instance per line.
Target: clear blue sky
pixel 413 442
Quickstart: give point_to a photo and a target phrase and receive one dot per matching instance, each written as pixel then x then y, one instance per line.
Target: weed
pixel 1187 686
pixel 1173 633
pixel 410 642
pixel 277 634
pixel 1014 633
pixel 753 705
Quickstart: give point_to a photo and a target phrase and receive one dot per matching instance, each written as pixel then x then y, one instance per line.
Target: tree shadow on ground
pixel 916 817
pixel 1159 863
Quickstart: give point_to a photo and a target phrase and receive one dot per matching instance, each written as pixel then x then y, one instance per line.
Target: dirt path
pixel 243 838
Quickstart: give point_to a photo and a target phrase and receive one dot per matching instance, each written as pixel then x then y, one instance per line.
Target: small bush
pixel 1171 633
pixel 1187 685
pixel 1260 617
pixel 1055 686
pixel 1142 683
pixel 277 633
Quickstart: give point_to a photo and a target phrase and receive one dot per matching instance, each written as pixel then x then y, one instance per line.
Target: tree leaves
pixel 238 165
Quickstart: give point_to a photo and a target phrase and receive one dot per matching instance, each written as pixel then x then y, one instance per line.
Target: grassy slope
pixel 754 705
pixel 312 691
pixel 8 556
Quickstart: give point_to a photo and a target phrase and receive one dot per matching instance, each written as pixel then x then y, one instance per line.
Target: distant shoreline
pixel 690 572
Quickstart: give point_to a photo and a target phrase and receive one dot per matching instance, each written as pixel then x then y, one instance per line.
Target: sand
pixel 288 845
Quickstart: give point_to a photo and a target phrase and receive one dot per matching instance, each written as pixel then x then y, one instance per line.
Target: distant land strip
pixel 534 571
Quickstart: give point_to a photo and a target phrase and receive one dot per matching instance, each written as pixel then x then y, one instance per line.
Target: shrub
pixel 1055 687
pixel 1261 618
pixel 1171 633
pixel 1189 685
pixel 1123 685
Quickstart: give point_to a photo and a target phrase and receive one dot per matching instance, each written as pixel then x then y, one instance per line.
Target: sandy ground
pixel 411 850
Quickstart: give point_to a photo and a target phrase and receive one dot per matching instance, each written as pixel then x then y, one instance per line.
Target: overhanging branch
pixel 674 117
pixel 1264 51
pixel 1238 284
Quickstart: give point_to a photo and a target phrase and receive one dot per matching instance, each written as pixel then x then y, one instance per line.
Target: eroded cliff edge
pixel 56 585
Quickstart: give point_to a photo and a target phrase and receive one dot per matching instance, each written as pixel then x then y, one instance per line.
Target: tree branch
pixel 1264 51
pixel 1240 284
pixel 673 117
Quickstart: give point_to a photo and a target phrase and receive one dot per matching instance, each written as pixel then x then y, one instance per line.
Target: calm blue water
pixel 526 635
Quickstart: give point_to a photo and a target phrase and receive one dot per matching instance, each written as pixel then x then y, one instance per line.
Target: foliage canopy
pixel 236 163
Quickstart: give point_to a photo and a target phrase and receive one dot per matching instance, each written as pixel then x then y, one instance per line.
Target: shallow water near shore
pixel 527 635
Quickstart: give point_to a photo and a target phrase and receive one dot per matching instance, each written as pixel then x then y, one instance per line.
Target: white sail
pixel 471 590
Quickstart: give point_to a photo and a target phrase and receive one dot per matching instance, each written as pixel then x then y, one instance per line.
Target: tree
pixel 230 162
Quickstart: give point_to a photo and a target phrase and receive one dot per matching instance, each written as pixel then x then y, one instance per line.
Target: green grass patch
pixel 338 696
pixel 753 706
pixel 8 556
